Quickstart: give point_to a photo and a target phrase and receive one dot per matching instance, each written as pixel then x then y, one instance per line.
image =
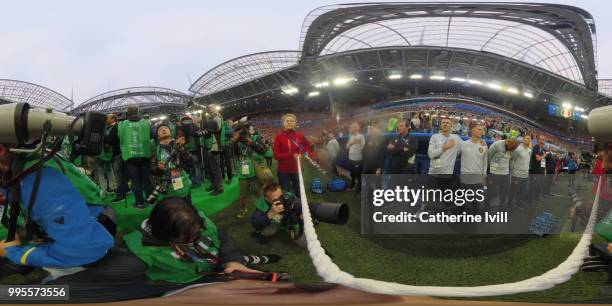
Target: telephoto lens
pixel 334 213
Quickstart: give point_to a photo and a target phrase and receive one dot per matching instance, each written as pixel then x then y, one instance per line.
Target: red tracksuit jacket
pixel 286 144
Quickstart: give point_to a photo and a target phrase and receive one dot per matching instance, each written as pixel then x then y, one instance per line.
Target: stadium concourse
pixel 363 73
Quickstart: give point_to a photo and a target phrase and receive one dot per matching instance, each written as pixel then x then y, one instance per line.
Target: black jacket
pixel 535 166
pixel 185 160
pixel 112 139
pixel 551 162
pixel 258 146
pixel 398 157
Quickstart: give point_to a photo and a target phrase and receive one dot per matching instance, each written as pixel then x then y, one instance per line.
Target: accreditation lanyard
pixel 244 162
pixel 291 140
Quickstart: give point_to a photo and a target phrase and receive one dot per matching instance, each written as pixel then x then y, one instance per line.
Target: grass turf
pixel 424 260
pixel 428 260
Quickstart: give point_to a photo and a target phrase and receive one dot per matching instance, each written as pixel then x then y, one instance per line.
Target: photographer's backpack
pixel 316 186
pixel 336 184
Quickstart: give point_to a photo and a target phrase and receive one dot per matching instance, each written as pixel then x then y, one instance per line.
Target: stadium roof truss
pixel 144 97
pixel 232 79
pixel 23 92
pixel 454 64
pixel 605 87
pixel 539 48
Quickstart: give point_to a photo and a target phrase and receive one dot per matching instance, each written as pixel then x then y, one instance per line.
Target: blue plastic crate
pixel 316 186
pixel 543 224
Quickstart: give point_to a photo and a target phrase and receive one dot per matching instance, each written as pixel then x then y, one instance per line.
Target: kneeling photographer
pixel 176 244
pixel 277 210
pixel 169 162
pixel 67 225
pixel 179 244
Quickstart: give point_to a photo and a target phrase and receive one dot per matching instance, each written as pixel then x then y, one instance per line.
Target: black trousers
pixel 500 186
pixel 548 181
pixel 536 185
pixel 475 206
pixel 121 175
pixel 355 169
pixel 226 163
pixel 119 265
pixel 518 190
pixel 139 172
pixel 214 164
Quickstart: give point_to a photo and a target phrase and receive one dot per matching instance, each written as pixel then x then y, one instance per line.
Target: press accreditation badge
pixel 543 163
pixel 177 181
pixel 436 163
pixel 246 170
pixel 411 160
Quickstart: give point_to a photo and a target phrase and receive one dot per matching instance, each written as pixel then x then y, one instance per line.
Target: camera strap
pixel 14 200
pixel 248 275
pixel 15 187
pixel 30 226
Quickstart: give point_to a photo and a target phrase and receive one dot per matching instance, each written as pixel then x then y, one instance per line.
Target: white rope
pixel 330 272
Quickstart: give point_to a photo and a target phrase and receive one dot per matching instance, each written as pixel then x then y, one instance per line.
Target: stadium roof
pixel 243 69
pixel 24 92
pixel 151 98
pixel 557 38
pixel 544 51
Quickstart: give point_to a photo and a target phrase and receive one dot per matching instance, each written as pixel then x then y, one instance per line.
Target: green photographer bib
pixel 180 183
pixel 162 262
pixel 135 139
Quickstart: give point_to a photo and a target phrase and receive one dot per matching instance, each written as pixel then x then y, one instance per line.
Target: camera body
pixel 244 134
pixel 160 188
pixel 242 129
pixel 287 201
pixel 290 218
pixel 188 127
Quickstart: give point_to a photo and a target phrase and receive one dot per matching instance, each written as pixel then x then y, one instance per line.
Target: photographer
pixel 135 141
pixel 66 236
pixel 193 142
pixel 247 150
pixel 214 142
pixel 176 244
pixel 169 162
pixel 177 229
pixel 226 155
pixel 277 210
pixel 111 138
